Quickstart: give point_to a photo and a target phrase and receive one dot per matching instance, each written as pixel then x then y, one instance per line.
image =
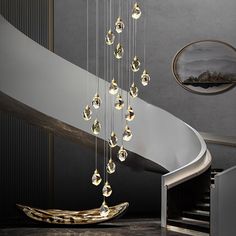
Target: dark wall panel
pixel 24 165
pixel 74 166
pixel 25 150
pixel 224 157
pixel 30 17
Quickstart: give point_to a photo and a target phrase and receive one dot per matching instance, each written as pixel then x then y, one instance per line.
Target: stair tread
pixel 190 222
pixel 206 199
pixel 203 204
pixel 214 172
pixel 198 212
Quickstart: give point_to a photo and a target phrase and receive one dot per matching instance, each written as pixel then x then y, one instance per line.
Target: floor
pixel 122 227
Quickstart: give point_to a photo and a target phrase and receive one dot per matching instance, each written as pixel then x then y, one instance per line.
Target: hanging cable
pixel 97 74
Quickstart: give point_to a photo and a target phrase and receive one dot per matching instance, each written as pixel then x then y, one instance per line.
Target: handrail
pixel 200 164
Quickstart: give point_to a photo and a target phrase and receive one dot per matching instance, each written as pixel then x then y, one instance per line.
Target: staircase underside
pixel 37 118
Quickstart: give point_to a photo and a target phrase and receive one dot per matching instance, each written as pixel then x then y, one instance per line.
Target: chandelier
pixel 122 68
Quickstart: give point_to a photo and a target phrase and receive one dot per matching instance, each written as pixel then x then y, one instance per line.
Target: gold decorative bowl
pixel 64 217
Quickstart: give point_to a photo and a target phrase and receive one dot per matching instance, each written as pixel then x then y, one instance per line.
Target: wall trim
pixel 219 139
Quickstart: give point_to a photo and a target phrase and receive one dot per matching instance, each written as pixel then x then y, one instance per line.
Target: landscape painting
pixel 206 66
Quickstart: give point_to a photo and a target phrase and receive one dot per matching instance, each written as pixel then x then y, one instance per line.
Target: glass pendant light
pixel 113 89
pixel 119 25
pixel 119 102
pixel 96 101
pixel 122 154
pixel 111 166
pixel 127 135
pixel 135 64
pixel 104 209
pixel 129 116
pixel 87 113
pixel 110 38
pixel 133 91
pixel 119 51
pixel 145 78
pixel 106 190
pixel 96 178
pixel 113 140
pixel 96 127
pixel 136 12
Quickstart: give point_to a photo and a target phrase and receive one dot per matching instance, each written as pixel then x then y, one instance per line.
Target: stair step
pixel 203 206
pixel 206 199
pixel 216 171
pixel 187 223
pixel 197 215
pixel 207 191
pixel 212 180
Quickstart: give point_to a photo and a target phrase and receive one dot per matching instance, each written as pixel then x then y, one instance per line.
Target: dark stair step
pixel 212 180
pixel 206 199
pixel 197 215
pixel 203 206
pixel 216 171
pixel 207 192
pixel 213 174
pixel 187 223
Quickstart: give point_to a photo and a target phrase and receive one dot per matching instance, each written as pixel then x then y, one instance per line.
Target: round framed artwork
pixel 206 66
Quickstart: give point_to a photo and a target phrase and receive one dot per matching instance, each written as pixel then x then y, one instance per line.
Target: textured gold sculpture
pixel 64 217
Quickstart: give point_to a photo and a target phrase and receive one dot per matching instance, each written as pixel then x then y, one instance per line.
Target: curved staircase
pixel 48 91
pixel 197 216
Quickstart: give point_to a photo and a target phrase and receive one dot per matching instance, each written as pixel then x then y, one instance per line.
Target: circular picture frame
pixel 191 71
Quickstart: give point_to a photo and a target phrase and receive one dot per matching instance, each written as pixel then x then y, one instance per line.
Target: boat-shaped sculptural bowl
pixel 64 217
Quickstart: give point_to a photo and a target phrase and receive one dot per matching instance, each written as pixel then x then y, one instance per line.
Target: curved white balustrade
pixel 46 82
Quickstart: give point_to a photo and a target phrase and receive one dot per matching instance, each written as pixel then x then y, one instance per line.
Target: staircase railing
pixel 196 167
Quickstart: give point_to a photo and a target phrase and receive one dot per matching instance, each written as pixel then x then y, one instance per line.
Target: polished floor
pixel 122 227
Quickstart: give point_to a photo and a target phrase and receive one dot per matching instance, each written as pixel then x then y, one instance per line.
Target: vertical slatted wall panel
pixel 29 16
pixel 25 150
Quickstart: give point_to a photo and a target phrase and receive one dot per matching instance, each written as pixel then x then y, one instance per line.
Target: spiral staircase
pixel 48 91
